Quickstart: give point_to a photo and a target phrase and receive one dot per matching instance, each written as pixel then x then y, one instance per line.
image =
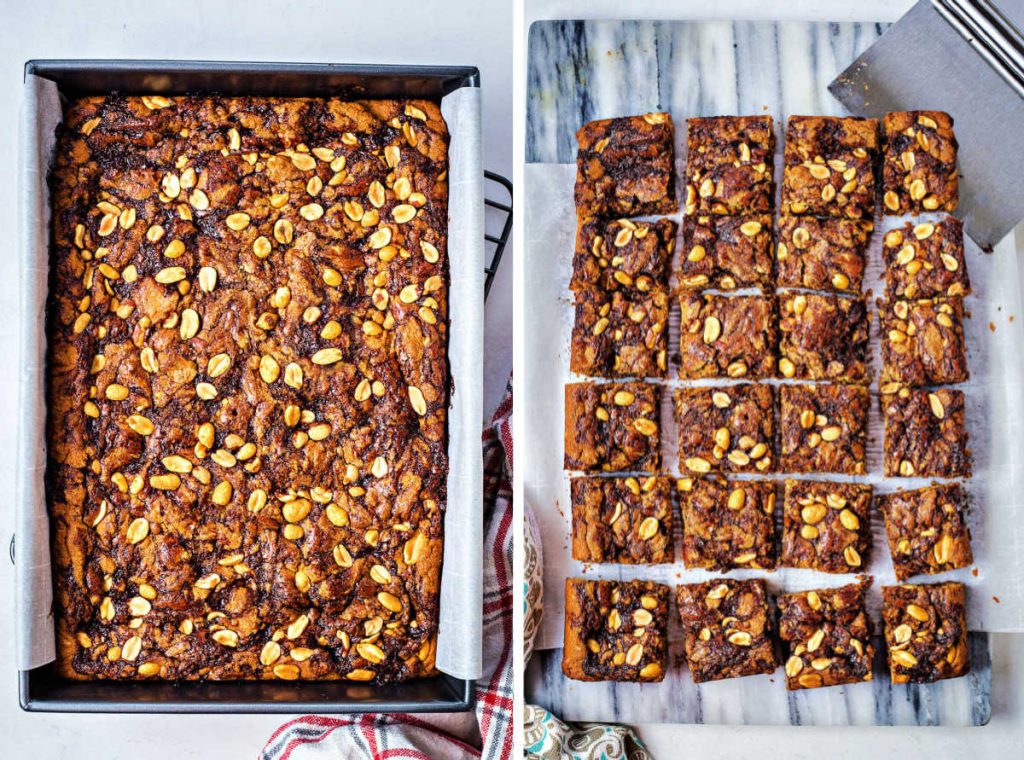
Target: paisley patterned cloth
pixel 548 738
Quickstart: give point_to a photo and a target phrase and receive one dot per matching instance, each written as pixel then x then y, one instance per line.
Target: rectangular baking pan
pixel 40 689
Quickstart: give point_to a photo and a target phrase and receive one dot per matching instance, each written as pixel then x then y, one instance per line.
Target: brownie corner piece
pixel 622 254
pixel 823 428
pixel 626 166
pixel 926 530
pixel 726 252
pixel 727 629
pixel 729 165
pixel 612 427
pixel 620 334
pixel 729 525
pixel 922 342
pixel 728 428
pixel 926 260
pixel 925 434
pixel 827 636
pixel 624 520
pixel 615 631
pixel 926 631
pixel 822 254
pixel 826 526
pixel 726 336
pixel 919 171
pixel 823 337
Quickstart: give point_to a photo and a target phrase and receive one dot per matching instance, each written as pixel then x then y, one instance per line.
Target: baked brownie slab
pixel 925 434
pixel 622 254
pixel 822 254
pixel 925 260
pixel 823 337
pixel 823 428
pixel 612 426
pixel 627 520
pixel 726 336
pixel 615 631
pixel 919 164
pixel 620 334
pixel 826 634
pixel 926 530
pixel 728 524
pixel 626 166
pixel 926 632
pixel 727 629
pixel 726 252
pixel 922 343
pixel 729 165
pixel 728 428
pixel 826 526
pixel 830 167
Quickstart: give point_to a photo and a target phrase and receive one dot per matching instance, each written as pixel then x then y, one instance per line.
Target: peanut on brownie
pixel 822 254
pixel 827 636
pixel 620 334
pixel 626 166
pixel 622 254
pixel 728 428
pixel 823 428
pixel 919 162
pixel 615 631
pixel 826 526
pixel 925 260
pixel 627 520
pixel 727 336
pixel 729 165
pixel 728 524
pixel 727 629
pixel 926 632
pixel 922 343
pixel 926 530
pixel 726 252
pixel 925 434
pixel 823 337
pixel 612 427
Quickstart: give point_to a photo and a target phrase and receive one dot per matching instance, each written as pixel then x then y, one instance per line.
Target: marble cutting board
pixel 578 71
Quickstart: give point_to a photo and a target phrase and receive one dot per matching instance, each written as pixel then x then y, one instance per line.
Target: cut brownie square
pixel 823 337
pixel 926 632
pixel 919 164
pixel 626 166
pixel 926 530
pixel 615 631
pixel 726 428
pixel 922 343
pixel 622 254
pixel 726 252
pixel 726 629
pixel 925 435
pixel 926 260
pixel 826 526
pixel 612 427
pixel 626 520
pixel 620 334
pixel 830 166
pixel 726 336
pixel 827 636
pixel 822 254
pixel 728 524
pixel 729 165
pixel 823 428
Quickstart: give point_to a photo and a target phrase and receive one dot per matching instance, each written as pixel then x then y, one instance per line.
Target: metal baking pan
pixel 40 689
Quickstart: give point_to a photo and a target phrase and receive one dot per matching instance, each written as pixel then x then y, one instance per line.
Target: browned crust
pixel 612 427
pixel 727 336
pixel 926 632
pixel 823 428
pixel 726 252
pixel 626 520
pixel 822 254
pixel 922 343
pixel 729 165
pixel 925 434
pixel 826 526
pixel 730 428
pixel 919 164
pixel 729 525
pixel 926 530
pixel 823 337
pixel 926 260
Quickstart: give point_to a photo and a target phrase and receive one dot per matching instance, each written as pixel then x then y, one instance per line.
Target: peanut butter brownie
pixel 922 343
pixel 830 167
pixel 919 164
pixel 627 520
pixel 726 252
pixel 925 435
pixel 822 254
pixel 827 636
pixel 622 254
pixel 726 336
pixel 612 427
pixel 615 631
pixel 729 165
pixel 626 166
pixel 823 337
pixel 620 334
pixel 726 428
pixel 248 387
pixel 729 524
pixel 826 526
pixel 727 629
pixel 926 530
pixel 926 632
pixel 823 428
pixel 926 260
